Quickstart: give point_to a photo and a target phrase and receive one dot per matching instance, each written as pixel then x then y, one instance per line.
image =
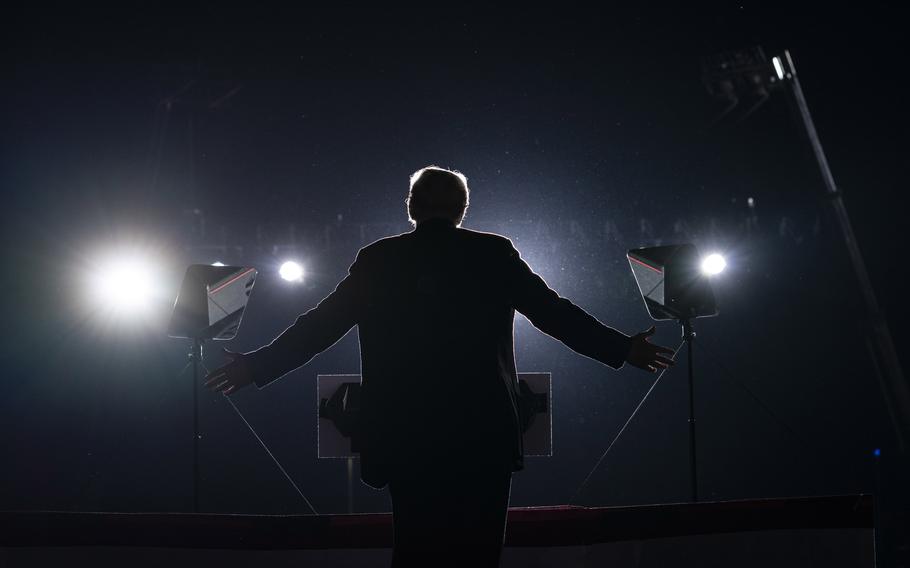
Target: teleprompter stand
pixel 673 286
pixel 210 305
pixel 688 335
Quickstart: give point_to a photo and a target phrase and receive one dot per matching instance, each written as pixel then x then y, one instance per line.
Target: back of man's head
pixel 437 193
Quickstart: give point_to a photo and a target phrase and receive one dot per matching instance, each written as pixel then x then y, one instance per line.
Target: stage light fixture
pixel 291 271
pixel 778 67
pixel 713 264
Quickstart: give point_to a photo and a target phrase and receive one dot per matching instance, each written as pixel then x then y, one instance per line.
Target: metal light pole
pixel 732 75
pixel 894 386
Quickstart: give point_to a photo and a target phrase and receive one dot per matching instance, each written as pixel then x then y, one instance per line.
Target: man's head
pixel 437 193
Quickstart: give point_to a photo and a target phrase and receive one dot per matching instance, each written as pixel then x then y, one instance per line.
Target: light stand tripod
pixel 194 362
pixel 688 335
pixel 195 357
pixel 210 305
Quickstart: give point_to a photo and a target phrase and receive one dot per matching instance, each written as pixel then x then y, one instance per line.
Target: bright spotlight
pixel 291 271
pixel 778 67
pixel 713 264
pixel 219 263
pixel 124 286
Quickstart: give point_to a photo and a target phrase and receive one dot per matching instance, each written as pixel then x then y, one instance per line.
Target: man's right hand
pixel 231 376
pixel 647 356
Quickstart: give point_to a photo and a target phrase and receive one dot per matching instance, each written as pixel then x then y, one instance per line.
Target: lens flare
pixel 124 286
pixel 291 271
pixel 713 264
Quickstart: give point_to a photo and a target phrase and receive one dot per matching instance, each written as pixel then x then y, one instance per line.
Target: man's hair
pixel 437 192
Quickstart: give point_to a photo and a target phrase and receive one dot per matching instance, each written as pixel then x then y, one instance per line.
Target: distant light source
pixel 217 263
pixel 713 264
pixel 124 286
pixel 291 271
pixel 778 67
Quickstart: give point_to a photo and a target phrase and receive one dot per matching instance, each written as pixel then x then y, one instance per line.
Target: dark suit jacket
pixel 435 310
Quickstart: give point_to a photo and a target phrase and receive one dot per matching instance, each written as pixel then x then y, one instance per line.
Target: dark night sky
pixel 297 128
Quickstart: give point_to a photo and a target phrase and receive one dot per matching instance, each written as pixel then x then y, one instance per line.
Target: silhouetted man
pixel 439 417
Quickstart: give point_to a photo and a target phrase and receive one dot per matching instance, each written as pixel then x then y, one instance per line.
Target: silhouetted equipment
pixel 339 406
pixel 737 76
pixel 211 302
pixel 530 404
pixel 672 282
pixel 674 286
pixel 748 73
pixel 210 305
pixel 731 75
pixel 342 409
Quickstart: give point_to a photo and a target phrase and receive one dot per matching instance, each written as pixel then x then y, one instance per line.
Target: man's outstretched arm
pixel 312 333
pixel 579 330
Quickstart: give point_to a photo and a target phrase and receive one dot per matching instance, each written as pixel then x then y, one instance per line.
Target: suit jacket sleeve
pixel 312 332
pixel 560 318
